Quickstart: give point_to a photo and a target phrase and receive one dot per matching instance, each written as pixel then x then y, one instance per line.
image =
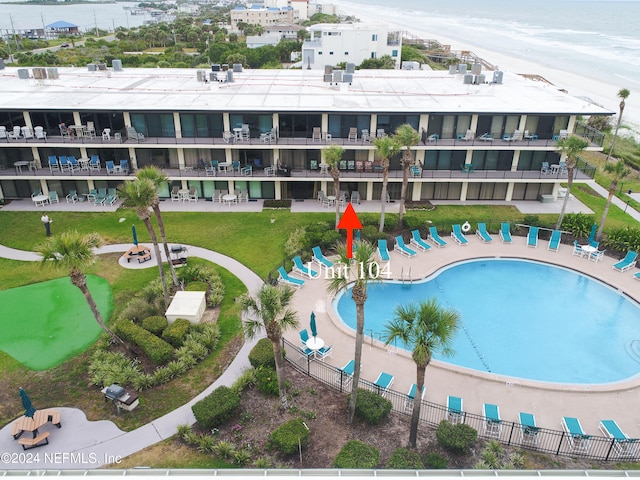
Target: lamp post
pixel 628 200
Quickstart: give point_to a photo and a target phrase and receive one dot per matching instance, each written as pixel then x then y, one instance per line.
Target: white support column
pixel 523 123
pixel 474 124
pixel 226 126
pixel 417 191
pixel 424 123
pixel 469 157
pixel 134 159
pixel 83 152
pixel 572 123
pixel 127 119
pixel 509 194
pixel 463 191
pixel 277 189
pixel 76 118
pixel 515 161
pixel 176 124
pixel 231 185
pixel 228 155
pixel 180 153
pixel 44 187
pixel 36 156
pixel 27 120
pixel 324 128
pixel 369 195
pixel 373 125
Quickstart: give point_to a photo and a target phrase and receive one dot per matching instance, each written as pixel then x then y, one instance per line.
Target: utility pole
pixel 96 23
pixel 14 33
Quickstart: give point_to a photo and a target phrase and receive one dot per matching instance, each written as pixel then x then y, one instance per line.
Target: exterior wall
pixel 262 16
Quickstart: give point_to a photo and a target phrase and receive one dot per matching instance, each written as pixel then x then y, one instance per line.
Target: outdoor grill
pixel 114 392
pixel 120 397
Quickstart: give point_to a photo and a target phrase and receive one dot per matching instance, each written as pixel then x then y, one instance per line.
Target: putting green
pixel 47 323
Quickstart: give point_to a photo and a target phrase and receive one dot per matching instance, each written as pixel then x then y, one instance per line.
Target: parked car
pixel 64 45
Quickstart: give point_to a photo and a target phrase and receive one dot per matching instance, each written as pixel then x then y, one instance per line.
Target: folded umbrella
pixel 312 325
pixel 26 403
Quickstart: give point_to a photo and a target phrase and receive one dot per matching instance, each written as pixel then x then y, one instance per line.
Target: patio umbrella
pixel 135 235
pixel 312 325
pixel 26 403
pixel 592 236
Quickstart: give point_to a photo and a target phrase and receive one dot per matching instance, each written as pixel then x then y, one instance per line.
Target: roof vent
pixel 117 65
pixel 462 68
pixel 23 74
pixel 92 67
pixel 497 76
pixel 453 69
pixel 52 73
pixel 201 75
pixel 39 73
pixel 237 67
pixel 476 68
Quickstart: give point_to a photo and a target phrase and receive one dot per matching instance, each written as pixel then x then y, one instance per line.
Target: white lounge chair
pixel 492 422
pixel 402 248
pixel 455 412
pixel 418 242
pixel 505 232
pixel 302 269
pixel 320 259
pixel 482 233
pixel 528 429
pixel 383 251
pixel 435 238
pixel 383 383
pixel 579 442
pixel 622 444
pixel 458 236
pixel 284 277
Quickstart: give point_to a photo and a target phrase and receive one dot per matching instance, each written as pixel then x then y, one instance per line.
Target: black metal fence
pixel 544 440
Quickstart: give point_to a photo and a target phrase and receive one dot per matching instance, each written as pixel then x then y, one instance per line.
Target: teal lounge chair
pixel 623 445
pixel 528 429
pixel 627 262
pixel 418 242
pixel 383 251
pixel 492 422
pixel 320 259
pixel 435 238
pixel 284 277
pixel 505 232
pixel 532 238
pixel 408 402
pixel 458 236
pixel 454 409
pixel 383 383
pixel 554 241
pixel 402 248
pixel 579 442
pixel 482 233
pixel 302 269
pixel 344 375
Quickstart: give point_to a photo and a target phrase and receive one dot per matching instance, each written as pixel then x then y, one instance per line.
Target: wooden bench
pixel 15 430
pixel 141 257
pixel 53 416
pixel 28 443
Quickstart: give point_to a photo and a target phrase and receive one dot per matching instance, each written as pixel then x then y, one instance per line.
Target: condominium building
pixel 266 131
pixel 258 15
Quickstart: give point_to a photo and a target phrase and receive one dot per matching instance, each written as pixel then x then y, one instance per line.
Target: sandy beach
pixel 599 92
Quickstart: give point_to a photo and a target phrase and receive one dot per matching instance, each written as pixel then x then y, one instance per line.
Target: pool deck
pixel 549 402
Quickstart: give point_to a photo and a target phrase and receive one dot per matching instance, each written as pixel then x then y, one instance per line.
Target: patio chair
pixel 124 166
pixel 94 163
pixel 458 236
pixel 285 278
pixel 486 137
pixel 622 444
pixel 133 134
pixel 627 262
pixel 90 130
pixel 596 256
pixel 554 241
pixel 365 136
pixel 100 197
pixel 235 166
pixel 344 375
pixel 532 237
pixel 528 429
pixel 320 259
pixel 3 132
pixel 383 251
pixel 492 424
pixel 53 163
pixel 175 194
pixel 64 163
pixel 302 269
pixel 577 250
pixel 247 170
pixel 106 134
pixel 383 383
pixel 545 169
pixel 316 135
pixel 579 442
pixel 505 232
pixel 26 132
pixel 15 135
pixel 73 163
pixel 433 137
pixel 324 352
pixel 455 413
pixel 482 233
pixel 418 242
pixel 304 336
pixel 435 238
pixel 72 196
pixel 111 167
pixel 402 248
pixel 91 196
pixel 353 134
pixel 193 194
pixel 53 197
pixel 408 401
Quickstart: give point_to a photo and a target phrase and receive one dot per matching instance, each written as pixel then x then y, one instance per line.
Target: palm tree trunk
pixel 80 280
pixel 417 403
pixel 403 191
pixel 277 352
pixel 357 357
pixel 566 197
pixel 336 193
pixel 163 235
pixel 383 197
pixel 156 249
pixel 612 191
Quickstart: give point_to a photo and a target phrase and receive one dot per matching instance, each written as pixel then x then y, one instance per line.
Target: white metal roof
pixel 381 91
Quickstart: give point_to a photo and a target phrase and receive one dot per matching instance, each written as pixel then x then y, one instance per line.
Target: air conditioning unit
pixel 117 65
pixel 39 73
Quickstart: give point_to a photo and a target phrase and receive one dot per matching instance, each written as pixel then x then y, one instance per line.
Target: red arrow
pixel 349 222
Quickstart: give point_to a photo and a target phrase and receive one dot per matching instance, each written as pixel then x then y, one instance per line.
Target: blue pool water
pixel 521 319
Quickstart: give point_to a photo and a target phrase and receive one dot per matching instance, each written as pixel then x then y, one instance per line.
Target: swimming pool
pixel 521 319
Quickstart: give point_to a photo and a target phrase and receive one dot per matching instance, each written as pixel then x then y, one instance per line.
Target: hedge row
pixel 159 351
pixel 216 408
pixel 176 332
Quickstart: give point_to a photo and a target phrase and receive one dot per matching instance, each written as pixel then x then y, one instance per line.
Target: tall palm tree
pixel 386 147
pixel 140 195
pixel 407 137
pixel 333 157
pixel 74 252
pixel 269 310
pixel 158 178
pixel 619 171
pixel 623 94
pixel 570 147
pixel 361 276
pixel 427 328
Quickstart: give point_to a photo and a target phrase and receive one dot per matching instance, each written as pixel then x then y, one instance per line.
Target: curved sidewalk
pixel 81 444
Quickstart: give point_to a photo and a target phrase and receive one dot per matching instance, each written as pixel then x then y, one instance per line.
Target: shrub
pixel 434 460
pixel 267 381
pixel 158 351
pixel 356 454
pixel 107 367
pixel 623 239
pixel 242 457
pixel 457 438
pixel 285 438
pixel 191 274
pixel 224 449
pixel 578 224
pixel 137 309
pixel 155 324
pixel 405 459
pixel 262 354
pixel 277 204
pixel 371 407
pixel 176 332
pixel 216 408
pixel 207 334
pixel 196 287
pixel 411 222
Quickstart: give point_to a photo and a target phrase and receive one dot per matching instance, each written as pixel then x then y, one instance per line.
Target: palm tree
pixel 428 328
pixel 619 171
pixel 570 147
pixel 333 157
pixel 386 147
pixel 158 178
pixel 407 137
pixel 74 252
pixel 140 194
pixel 622 95
pixel 360 274
pixel 269 310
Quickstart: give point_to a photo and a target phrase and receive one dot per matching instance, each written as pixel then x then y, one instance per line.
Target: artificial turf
pixel 46 323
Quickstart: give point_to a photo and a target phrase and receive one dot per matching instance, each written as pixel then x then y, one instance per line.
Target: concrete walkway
pixel 82 444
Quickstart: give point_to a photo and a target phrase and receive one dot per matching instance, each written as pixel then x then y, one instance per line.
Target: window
pixel 394 53
pixel 374 37
pixel 330 53
pixel 346 53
